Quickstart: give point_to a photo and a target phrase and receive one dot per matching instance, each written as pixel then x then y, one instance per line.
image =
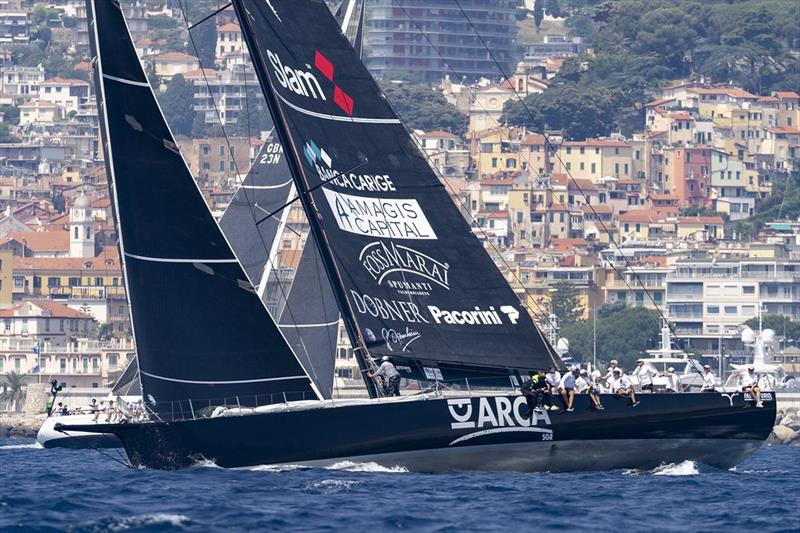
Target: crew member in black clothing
pixel 534 390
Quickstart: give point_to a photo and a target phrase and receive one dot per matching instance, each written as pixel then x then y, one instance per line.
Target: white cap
pixel 750 367
pixel 706 366
pixel 671 369
pixel 613 362
pixel 385 358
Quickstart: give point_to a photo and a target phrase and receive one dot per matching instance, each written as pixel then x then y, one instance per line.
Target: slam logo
pixel 495 415
pixel 304 83
pixel 388 264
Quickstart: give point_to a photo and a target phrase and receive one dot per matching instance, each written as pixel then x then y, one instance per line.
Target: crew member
pixel 709 380
pixel 621 386
pixel 644 374
pixel 750 384
pixel 93 407
pixel 390 376
pixel 585 385
pixel 611 367
pixel 534 390
pixel 553 378
pixel 673 381
pixel 567 388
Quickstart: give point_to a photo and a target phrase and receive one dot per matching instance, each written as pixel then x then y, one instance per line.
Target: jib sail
pixel 202 333
pixel 416 282
pixel 305 308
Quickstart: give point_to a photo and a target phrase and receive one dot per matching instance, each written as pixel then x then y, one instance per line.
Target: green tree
pixel 565 303
pixel 782 325
pixel 177 102
pixel 553 8
pixel 623 335
pixel 6 136
pixel 538 13
pixel 423 107
pixel 13 390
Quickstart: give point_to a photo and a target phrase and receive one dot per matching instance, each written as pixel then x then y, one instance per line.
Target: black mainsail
pixel 412 280
pixel 202 333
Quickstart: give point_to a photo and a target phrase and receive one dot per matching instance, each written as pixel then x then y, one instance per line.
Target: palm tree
pixel 13 391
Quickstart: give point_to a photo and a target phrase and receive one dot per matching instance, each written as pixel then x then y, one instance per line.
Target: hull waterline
pixel 487 433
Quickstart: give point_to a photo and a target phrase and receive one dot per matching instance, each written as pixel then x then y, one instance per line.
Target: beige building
pixel 594 159
pixel 168 64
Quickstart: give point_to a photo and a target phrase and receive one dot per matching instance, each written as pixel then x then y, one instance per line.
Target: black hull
pixel 85 441
pixel 479 433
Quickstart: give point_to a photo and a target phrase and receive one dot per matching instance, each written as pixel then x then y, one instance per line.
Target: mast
pixel 360 350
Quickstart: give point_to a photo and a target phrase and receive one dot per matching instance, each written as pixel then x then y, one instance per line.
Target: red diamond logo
pixel 323 64
pixel 343 100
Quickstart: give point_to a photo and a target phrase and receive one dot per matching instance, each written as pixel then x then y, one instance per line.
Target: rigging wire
pixel 283 294
pixel 545 316
pixel 574 181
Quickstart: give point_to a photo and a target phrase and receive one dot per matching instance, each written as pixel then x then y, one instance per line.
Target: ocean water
pixel 82 490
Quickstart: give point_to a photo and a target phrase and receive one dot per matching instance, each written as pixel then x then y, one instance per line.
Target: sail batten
pixel 196 317
pixel 413 279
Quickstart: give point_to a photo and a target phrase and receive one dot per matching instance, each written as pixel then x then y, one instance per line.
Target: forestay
pixel 417 282
pixel 201 331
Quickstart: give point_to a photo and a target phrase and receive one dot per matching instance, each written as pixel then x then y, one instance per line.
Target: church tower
pixel 81 228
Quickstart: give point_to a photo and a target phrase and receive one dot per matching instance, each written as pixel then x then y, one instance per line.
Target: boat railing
pixel 196 408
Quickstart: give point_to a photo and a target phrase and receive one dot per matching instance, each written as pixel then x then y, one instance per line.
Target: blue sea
pixel 82 490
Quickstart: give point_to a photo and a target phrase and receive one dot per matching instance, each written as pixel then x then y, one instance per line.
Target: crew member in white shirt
pixel 611 367
pixel 709 380
pixel 622 386
pixel 673 381
pixel 644 374
pixel 749 382
pixel 585 385
pixel 567 388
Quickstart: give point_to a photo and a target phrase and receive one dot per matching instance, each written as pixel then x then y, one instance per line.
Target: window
pixel 98 282
pixel 748 289
pixel 205 149
pixel 712 309
pixel 221 165
pixel 19 281
pixel 730 310
pixel 594 168
pixel 7 324
pixel 494 162
pixel 53 282
pixel 221 150
pixel 74 282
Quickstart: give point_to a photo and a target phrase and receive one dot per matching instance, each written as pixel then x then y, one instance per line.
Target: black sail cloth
pixel 420 285
pixel 201 331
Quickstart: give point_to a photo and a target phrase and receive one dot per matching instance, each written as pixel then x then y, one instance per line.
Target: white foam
pixel 334 484
pixel 31 446
pixel 140 521
pixel 685 468
pixel 271 468
pixel 204 463
pixel 350 466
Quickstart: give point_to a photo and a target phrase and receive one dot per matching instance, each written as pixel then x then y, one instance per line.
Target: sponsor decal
pixel 765 397
pixel 379 217
pixel 393 310
pixel 402 338
pixel 274 11
pixel 323 163
pixel 499 414
pixel 476 316
pixel 300 82
pixel 389 263
pixel 303 82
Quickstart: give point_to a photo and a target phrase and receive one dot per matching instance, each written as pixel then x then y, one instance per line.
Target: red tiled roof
pixel 230 26
pixel 40 241
pixel 64 81
pixel 439 134
pixel 734 92
pixel 601 209
pixel 601 143
pixel 784 129
pixel 790 95
pixel 175 56
pixel 98 263
pixel 659 102
pixel 101 202
pixel 700 220
pixel 638 215
pixel 534 139
pixel 50 308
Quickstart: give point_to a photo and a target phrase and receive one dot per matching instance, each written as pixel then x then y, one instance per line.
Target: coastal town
pixel 668 217
pixel 261 258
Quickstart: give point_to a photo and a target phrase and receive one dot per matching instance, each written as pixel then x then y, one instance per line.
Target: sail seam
pixel 231 382
pixel 321 325
pixel 337 117
pixel 265 187
pixel 128 82
pixel 178 259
